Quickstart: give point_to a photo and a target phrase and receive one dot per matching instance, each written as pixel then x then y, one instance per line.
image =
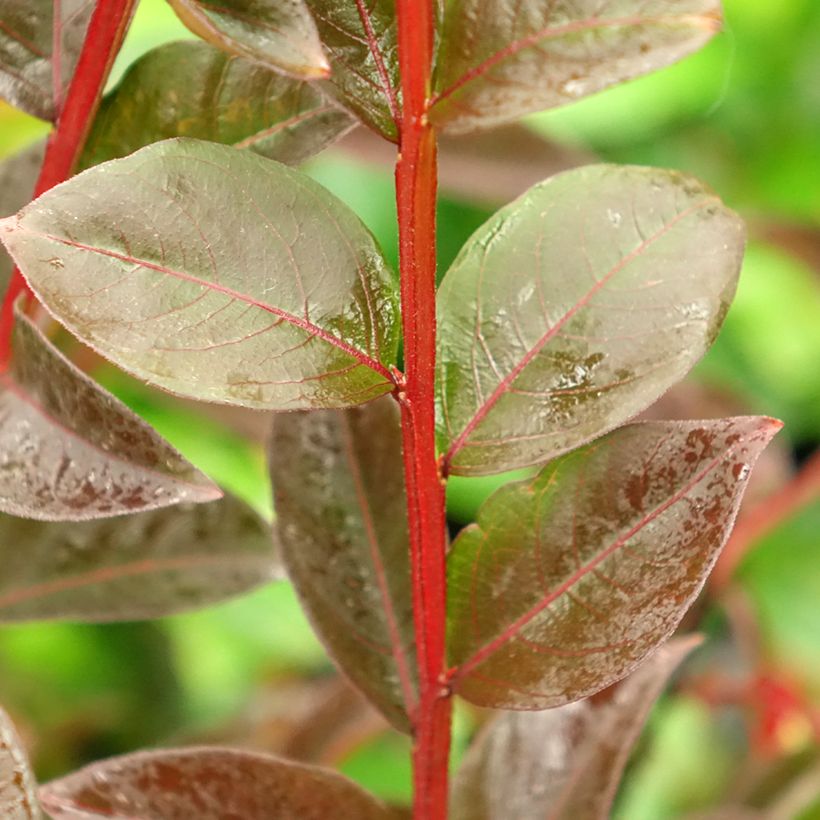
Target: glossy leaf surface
pixel 18 176
pixel 18 798
pixel 280 33
pixel 70 451
pixel 216 274
pixel 574 308
pixel 565 763
pixel 500 60
pixel 568 580
pixel 341 524
pixel 143 565
pixel 207 784
pixel 360 37
pixel 38 52
pixel 191 89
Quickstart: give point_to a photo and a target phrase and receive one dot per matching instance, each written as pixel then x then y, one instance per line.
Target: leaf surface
pixel 143 565
pixel 18 791
pixel 341 526
pixel 37 61
pixel 207 784
pixel 279 33
pixel 18 176
pixel 568 580
pixel 574 308
pixel 565 763
pixel 500 60
pixel 191 89
pixel 215 274
pixel 70 451
pixel 360 37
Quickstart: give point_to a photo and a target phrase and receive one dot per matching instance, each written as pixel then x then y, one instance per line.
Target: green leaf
pixel 500 60
pixel 566 763
pixel 574 308
pixel 360 37
pixel 143 565
pixel 570 579
pixel 191 89
pixel 18 176
pixel 207 783
pixel 70 451
pixel 38 54
pixel 279 34
pixel 341 526
pixel 18 798
pixel 215 274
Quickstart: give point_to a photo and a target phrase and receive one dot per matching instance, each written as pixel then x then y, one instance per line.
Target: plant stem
pixel 106 31
pixel 416 182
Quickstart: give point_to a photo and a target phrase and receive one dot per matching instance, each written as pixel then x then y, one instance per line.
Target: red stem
pixel 416 180
pixel 766 516
pixel 106 31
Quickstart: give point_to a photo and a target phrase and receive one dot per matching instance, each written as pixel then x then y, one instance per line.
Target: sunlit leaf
pixel 207 784
pixel 18 798
pixel 37 61
pixel 574 308
pixel 360 37
pixel 216 274
pixel 18 176
pixel 499 60
pixel 342 529
pixel 70 451
pixel 570 579
pixel 143 565
pixel 191 89
pixel 279 33
pixel 565 763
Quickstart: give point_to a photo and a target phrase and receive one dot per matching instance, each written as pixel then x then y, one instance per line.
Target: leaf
pixel 566 763
pixel 570 579
pixel 215 274
pixel 18 798
pixel 208 784
pixel 37 62
pixel 500 60
pixel 191 89
pixel 70 451
pixel 18 176
pixel 360 37
pixel 341 526
pixel 280 34
pixel 143 565
pixel 574 308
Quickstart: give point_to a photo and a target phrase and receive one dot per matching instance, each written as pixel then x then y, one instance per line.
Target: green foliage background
pixel 744 115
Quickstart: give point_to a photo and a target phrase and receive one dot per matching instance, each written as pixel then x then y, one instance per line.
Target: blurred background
pixel 741 726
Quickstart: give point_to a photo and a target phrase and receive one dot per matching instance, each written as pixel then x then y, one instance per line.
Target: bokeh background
pixel 742 723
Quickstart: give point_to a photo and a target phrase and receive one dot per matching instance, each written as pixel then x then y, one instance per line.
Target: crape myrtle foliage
pixel 193 255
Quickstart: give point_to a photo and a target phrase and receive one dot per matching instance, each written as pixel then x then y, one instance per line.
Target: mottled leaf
pixel 191 89
pixel 574 308
pixel 37 61
pixel 569 579
pixel 341 526
pixel 360 37
pixel 565 763
pixel 18 176
pixel 18 798
pixel 279 33
pixel 70 451
pixel 207 784
pixel 499 60
pixel 143 565
pixel 216 274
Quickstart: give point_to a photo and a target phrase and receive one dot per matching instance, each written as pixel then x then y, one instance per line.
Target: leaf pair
pixel 207 783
